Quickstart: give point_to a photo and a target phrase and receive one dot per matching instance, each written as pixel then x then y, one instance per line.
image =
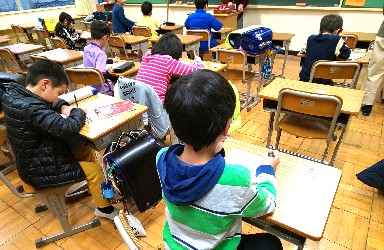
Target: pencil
pixel 74 96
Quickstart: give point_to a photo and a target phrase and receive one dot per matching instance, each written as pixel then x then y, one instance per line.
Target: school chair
pixel 336 70
pixel 141 31
pixel 85 76
pixel 206 38
pixel 238 58
pixel 36 58
pixel 21 37
pixel 58 43
pixel 11 63
pixel 53 199
pixel 117 42
pixel 45 39
pixel 310 116
pixel 350 40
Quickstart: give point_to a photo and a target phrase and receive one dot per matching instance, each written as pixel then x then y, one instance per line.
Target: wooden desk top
pixel 363 60
pixel 22 48
pixel 217 67
pixel 282 36
pixel 362 36
pixel 352 98
pixel 223 30
pixel 129 72
pixel 171 28
pixel 185 39
pixel 98 127
pixel 305 191
pixel 4 39
pixel 62 55
pixel 132 40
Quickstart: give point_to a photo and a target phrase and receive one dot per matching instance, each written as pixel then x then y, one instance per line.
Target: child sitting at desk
pixel 203 20
pixel 65 30
pixel 327 45
pixel 94 55
pixel 206 197
pixel 148 20
pixel 40 136
pixel 162 62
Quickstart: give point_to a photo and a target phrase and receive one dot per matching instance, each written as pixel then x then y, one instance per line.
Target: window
pixel 15 5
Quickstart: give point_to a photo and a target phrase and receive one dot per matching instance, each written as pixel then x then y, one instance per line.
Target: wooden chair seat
pixel 304 127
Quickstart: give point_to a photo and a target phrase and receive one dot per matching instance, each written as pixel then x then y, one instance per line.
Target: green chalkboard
pixel 314 3
pixel 368 4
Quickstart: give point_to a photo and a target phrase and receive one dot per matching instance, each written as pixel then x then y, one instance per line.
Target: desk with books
pixel 102 131
pixel 305 194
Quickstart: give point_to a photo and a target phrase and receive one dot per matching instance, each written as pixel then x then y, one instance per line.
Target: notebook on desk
pixel 114 109
pixel 356 55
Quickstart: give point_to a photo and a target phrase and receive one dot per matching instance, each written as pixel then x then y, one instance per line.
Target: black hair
pixel 47 69
pixel 62 17
pixel 199 105
pixel 331 23
pixel 168 44
pixel 146 8
pixel 200 4
pixel 99 29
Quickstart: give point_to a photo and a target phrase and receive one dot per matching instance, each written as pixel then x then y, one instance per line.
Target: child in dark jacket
pixel 39 135
pixel 327 45
pixel 65 30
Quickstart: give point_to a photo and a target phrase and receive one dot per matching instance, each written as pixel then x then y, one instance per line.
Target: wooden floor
pixel 356 220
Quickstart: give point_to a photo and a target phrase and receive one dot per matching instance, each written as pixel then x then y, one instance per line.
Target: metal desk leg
pixel 286 46
pixel 270 128
pixel 337 145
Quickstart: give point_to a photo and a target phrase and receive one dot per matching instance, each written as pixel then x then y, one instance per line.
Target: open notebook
pixel 356 55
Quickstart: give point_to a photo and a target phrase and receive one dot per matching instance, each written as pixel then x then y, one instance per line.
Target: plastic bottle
pixel 79 94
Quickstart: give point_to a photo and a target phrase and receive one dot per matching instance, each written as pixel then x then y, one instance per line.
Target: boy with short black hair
pixel 206 197
pixel 148 20
pixel 201 19
pixel 327 45
pixel 39 135
pixel 94 55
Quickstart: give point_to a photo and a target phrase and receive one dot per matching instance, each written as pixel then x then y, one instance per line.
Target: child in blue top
pixel 327 45
pixel 94 55
pixel 203 20
pixel 120 23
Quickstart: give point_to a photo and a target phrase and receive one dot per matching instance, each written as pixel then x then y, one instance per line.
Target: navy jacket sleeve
pixel 123 20
pixel 345 52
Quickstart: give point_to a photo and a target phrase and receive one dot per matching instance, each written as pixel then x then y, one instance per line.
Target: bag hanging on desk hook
pixel 266 70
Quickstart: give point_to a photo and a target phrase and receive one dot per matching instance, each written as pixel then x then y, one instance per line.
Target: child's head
pixel 331 24
pixel 200 106
pixel 168 44
pixel 200 4
pixel 100 31
pixel 47 79
pixel 146 8
pixel 66 19
pixel 121 2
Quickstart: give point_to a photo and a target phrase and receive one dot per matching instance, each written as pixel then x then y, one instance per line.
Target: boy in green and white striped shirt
pixel 205 197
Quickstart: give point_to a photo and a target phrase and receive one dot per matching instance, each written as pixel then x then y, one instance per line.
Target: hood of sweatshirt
pixel 182 184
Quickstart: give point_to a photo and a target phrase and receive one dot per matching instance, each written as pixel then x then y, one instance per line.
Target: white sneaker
pixel 108 216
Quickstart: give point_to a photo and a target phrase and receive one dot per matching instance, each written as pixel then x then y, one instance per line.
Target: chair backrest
pixel 36 58
pixel 43 36
pixel 21 37
pixel 309 104
pixel 204 33
pixel 232 56
pixel 335 70
pixel 10 61
pixel 119 43
pixel 141 31
pixel 58 43
pixel 85 76
pixel 139 92
pixel 350 40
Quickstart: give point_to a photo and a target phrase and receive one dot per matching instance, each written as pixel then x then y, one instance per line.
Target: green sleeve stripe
pixel 167 236
pixel 235 175
pixel 260 202
pixel 200 220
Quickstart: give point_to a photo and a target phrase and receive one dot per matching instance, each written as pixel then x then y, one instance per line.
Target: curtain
pixel 82 8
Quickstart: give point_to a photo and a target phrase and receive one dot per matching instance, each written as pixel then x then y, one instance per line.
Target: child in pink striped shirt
pixel 158 66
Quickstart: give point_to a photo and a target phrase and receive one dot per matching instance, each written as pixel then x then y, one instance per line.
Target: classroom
pixel 319 204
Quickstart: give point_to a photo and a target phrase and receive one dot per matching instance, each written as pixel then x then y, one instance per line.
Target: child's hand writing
pixel 271 158
pixel 66 110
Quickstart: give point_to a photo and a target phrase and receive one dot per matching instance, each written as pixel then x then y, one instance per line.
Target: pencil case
pixel 124 67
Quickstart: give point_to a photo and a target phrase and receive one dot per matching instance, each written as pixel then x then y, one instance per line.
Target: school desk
pixel 305 193
pixel 352 99
pixel 191 43
pixel 129 73
pixel 228 20
pixel 363 38
pixel 285 39
pixel 136 43
pixel 223 32
pixel 4 41
pixel 22 50
pixel 28 30
pixel 175 29
pixel 102 131
pixel 66 57
pixel 214 66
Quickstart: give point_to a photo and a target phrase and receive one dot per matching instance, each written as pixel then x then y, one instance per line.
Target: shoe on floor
pixel 108 216
pixel 366 110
